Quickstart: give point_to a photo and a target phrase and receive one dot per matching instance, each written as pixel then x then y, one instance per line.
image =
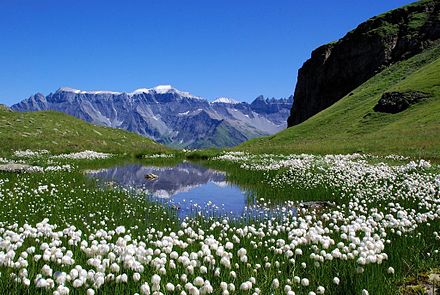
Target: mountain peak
pixel 259 100
pixel 163 89
pixel 68 89
pixel 160 89
pixel 226 100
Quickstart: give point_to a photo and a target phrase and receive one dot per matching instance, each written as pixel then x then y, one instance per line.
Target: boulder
pixel 396 102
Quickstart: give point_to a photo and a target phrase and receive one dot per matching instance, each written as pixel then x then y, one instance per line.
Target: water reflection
pixel 187 186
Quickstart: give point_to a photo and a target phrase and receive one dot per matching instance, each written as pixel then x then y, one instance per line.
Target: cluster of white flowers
pixel 30 154
pixel 234 156
pixel 85 155
pixel 396 157
pixel 189 150
pixel 65 167
pixel 203 255
pixel 11 167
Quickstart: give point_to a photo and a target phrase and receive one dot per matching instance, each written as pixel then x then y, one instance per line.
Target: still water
pixel 186 186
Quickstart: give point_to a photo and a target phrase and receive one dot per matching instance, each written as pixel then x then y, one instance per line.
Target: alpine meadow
pixel 332 188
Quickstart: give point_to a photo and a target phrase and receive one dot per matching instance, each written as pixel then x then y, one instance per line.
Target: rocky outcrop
pixel 337 68
pixel 396 102
pixel 19 168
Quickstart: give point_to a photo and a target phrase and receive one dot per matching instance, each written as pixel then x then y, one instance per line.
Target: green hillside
pixel 351 124
pixel 59 132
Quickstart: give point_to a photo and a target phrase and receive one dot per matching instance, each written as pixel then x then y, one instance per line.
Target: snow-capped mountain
pixel 168 115
pixel 226 100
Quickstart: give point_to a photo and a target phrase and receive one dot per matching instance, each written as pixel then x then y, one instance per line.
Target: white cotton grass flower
pixel 145 289
pixel 136 277
pixel 155 279
pixel 305 282
pixel 246 286
pixel 320 290
pixel 46 270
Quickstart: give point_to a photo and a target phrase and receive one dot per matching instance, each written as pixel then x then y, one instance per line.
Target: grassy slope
pixel 351 125
pixel 59 132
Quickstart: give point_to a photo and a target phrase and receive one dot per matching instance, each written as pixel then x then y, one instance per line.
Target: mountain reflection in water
pixel 187 185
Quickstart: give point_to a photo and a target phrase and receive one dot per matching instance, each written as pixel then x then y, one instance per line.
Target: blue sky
pixel 238 49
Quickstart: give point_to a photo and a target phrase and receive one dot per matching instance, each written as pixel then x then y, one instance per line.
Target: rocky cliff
pixel 335 69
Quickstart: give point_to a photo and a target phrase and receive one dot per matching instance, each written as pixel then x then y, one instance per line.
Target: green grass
pixel 351 125
pixel 4 108
pixel 61 133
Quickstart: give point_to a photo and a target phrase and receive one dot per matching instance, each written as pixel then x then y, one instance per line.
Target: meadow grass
pixel 62 133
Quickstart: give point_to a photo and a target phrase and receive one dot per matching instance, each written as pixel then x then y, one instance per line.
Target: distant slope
pixel 4 107
pixel 351 124
pixel 59 132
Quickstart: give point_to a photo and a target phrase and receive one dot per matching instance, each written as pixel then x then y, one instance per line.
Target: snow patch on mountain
pixel 225 100
pixel 159 89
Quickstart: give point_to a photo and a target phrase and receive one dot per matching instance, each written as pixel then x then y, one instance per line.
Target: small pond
pixel 186 186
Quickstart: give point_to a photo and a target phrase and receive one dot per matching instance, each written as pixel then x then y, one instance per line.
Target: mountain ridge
pixel 164 113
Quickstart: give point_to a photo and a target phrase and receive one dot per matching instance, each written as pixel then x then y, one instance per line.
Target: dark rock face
pixel 337 68
pixel 396 102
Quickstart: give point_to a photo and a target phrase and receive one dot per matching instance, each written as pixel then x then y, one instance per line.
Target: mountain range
pixel 169 116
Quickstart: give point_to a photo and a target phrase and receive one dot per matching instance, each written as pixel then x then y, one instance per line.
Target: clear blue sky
pixel 211 48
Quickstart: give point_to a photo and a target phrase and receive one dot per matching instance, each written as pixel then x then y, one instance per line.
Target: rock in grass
pixel 19 168
pixel 396 102
pixel 317 204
